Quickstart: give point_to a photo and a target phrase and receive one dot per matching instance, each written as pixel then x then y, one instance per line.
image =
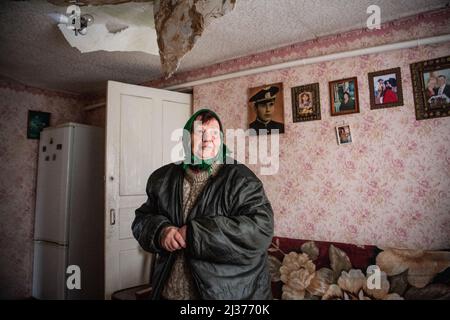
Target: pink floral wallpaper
pixel 18 169
pixel 390 187
pixel 96 117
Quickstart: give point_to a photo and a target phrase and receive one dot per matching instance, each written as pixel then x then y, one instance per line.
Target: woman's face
pixel 346 97
pixel 305 98
pixel 432 82
pixel 205 139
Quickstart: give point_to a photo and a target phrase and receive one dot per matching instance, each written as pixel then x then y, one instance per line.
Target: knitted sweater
pixel 180 284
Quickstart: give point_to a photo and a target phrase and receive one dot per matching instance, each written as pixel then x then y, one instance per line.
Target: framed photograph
pixel 344 96
pixel 431 87
pixel 37 121
pixel 343 134
pixel 305 103
pixel 266 109
pixel 385 89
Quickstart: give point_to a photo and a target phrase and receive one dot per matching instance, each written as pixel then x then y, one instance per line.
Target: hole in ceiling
pixel 121 27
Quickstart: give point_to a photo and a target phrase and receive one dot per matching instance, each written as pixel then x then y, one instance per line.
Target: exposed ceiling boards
pixel 121 27
pixel 179 24
pixel 34 51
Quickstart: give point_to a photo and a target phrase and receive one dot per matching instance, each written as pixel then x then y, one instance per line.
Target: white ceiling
pixel 34 51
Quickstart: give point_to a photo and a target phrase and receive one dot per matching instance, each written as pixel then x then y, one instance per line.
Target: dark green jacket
pixel 229 230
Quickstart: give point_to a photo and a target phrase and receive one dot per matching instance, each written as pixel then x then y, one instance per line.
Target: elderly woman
pixel 208 220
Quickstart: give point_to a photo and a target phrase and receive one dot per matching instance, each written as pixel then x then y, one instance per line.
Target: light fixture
pixel 74 20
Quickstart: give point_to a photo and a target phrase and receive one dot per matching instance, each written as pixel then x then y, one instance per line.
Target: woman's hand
pixel 182 231
pixel 172 239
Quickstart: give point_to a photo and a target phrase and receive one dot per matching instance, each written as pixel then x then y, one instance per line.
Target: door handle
pixel 112 217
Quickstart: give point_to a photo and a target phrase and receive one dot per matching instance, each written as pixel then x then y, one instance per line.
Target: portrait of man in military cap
pixel 266 114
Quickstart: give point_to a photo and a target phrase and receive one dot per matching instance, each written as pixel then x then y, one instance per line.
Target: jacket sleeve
pixel 148 223
pixel 238 238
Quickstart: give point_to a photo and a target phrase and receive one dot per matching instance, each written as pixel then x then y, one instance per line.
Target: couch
pixel 303 269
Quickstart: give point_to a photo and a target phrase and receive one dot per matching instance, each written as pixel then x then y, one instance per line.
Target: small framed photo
pixel 306 103
pixel 37 121
pixel 266 109
pixel 344 96
pixel 431 87
pixel 343 134
pixel 385 89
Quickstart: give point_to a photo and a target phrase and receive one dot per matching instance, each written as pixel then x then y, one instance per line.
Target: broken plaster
pixel 120 27
pixel 179 24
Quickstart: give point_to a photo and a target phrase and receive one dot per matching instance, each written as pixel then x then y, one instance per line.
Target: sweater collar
pixel 194 175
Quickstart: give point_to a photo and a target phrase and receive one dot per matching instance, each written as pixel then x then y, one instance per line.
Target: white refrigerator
pixel 69 214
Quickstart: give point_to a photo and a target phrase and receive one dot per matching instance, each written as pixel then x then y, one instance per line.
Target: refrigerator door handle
pixel 53 243
pixel 112 217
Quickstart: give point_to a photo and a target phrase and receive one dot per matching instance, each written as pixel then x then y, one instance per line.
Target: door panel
pixel 126 217
pixel 134 267
pixel 173 121
pixel 136 143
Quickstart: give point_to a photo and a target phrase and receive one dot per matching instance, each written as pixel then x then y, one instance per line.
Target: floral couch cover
pixel 303 269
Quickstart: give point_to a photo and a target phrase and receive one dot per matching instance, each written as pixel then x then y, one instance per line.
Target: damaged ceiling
pixel 169 29
pixel 35 52
pixel 179 24
pixel 121 27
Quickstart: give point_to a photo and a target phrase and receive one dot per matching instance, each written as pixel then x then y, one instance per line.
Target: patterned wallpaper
pixel 96 117
pixel 18 169
pixel 390 187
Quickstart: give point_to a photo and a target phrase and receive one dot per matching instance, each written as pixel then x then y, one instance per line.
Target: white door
pixel 138 122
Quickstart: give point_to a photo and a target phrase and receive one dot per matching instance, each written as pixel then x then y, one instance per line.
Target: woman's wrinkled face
pixel 205 139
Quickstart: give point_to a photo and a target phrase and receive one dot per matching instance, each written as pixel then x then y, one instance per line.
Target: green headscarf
pixel 194 161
